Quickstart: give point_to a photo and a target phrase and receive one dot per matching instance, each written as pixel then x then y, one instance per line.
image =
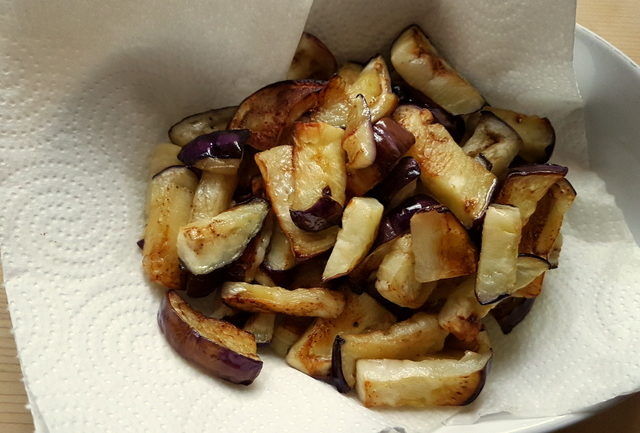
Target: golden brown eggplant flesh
pixel 209 244
pixel 199 124
pixel 417 336
pixel 168 209
pixel 270 111
pixel 421 65
pixel 312 60
pixel 437 380
pixel 311 302
pixel 311 354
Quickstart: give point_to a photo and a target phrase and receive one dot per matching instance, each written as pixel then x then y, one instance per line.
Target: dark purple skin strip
pixel 525 170
pixel 410 96
pixel 492 300
pixel 280 278
pixel 401 313
pixel 484 161
pixel 397 222
pixel 220 144
pixel 324 213
pixel 392 141
pixel 238 320
pixel 510 312
pixel 213 116
pixel 535 256
pixel 212 358
pixel 140 244
pixel 405 171
pixel 198 286
pixel 548 151
pixel 483 379
pixel 336 366
pixel 355 286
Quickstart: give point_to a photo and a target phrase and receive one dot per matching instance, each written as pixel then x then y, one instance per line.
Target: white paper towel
pixel 87 88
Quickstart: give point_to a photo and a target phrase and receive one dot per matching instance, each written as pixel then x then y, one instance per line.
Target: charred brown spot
pixel 465 328
pixel 470 204
pixel 439 66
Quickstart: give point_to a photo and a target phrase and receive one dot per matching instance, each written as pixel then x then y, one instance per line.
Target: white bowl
pixel 608 81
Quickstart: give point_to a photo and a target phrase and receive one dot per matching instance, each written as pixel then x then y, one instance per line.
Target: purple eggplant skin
pixel 243 194
pixel 280 278
pixel 199 286
pixel 548 152
pixel 324 213
pixel 308 273
pixel 484 161
pixel 212 358
pixel 227 144
pixel 525 170
pixel 247 171
pixel 400 313
pixel 535 256
pixel 140 244
pixel 396 222
pixel 493 300
pixel 350 284
pixel 392 141
pixel 510 312
pixel 238 320
pixel 483 379
pixel 405 171
pixel 410 96
pixel 337 375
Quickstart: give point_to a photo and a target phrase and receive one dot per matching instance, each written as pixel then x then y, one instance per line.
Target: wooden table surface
pixel 615 20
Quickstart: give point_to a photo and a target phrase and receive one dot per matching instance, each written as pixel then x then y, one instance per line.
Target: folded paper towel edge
pixel 39 423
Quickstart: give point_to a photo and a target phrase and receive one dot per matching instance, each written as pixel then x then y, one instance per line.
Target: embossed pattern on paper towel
pixel 85 91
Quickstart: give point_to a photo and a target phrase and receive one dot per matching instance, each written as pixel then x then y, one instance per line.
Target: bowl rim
pixel 587 33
